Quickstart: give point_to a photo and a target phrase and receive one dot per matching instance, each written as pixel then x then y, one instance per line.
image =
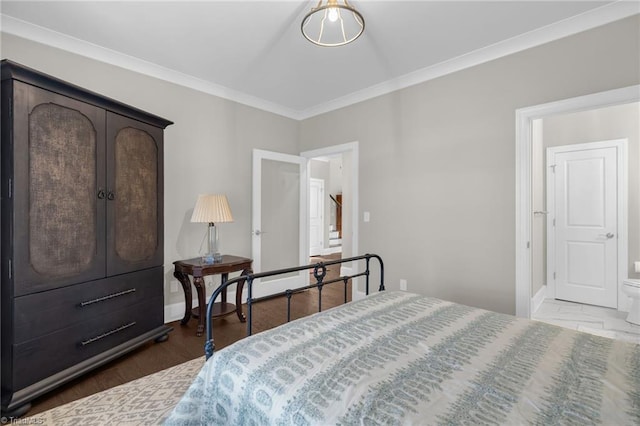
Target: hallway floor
pixel 590 319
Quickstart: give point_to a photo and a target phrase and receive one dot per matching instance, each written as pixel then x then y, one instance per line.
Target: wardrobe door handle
pixel 107 297
pixel 107 334
pixel 111 196
pixel 101 194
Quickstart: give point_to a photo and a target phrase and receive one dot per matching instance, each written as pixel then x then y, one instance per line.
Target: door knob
pixel 608 235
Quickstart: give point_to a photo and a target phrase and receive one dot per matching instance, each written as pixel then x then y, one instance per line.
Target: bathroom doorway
pixel 530 293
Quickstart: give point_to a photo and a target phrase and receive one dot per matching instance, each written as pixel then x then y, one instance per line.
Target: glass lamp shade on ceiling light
pixel 332 23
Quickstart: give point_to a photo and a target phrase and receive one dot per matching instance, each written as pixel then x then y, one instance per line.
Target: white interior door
pixel 582 188
pixel 279 219
pixel 316 216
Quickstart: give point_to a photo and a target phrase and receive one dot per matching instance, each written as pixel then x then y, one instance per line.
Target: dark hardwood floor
pixel 183 344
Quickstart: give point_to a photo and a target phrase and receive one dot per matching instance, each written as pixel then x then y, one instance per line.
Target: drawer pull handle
pixel 108 333
pixel 107 297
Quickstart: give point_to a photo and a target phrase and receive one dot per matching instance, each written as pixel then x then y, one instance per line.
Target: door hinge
pixel 554 275
pixel 554 221
pixel 10 188
pixel 528 244
pixel 10 272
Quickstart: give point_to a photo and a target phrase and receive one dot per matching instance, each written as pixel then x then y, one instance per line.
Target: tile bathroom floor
pixel 590 319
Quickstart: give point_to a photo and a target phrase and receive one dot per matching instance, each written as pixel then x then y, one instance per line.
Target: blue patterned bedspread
pixel 402 358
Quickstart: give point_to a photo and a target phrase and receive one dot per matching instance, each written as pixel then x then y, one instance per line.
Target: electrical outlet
pixel 174 287
pixel 403 285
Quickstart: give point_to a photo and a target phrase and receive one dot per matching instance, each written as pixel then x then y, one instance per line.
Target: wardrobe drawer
pixel 42 357
pixel 43 313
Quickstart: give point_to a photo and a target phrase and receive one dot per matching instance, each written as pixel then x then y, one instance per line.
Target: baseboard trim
pixel 175 311
pixel 538 298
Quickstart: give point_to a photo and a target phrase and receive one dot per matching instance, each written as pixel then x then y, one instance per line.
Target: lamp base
pixel 211 258
pixel 213 254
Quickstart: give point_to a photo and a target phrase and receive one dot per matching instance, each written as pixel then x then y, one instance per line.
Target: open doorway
pixel 342 219
pixel 325 205
pixel 528 264
pixel 550 139
pixel 585 227
pixel 582 240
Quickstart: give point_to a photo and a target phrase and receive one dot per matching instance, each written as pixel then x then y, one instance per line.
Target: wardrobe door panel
pixel 58 171
pixel 134 205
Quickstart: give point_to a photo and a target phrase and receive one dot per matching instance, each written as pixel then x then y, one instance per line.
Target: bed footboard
pixel 319 274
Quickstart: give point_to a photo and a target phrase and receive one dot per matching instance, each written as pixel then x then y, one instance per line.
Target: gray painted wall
pixel 437 160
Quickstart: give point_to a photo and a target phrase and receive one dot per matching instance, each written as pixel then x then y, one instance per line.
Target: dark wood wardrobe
pixel 82 232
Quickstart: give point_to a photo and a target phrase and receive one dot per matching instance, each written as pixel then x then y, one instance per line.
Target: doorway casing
pixel 316 216
pixel 524 120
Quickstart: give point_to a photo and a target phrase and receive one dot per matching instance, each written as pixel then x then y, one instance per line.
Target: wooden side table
pixel 198 270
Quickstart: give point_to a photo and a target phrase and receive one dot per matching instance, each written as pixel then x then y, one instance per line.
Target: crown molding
pixel 594 18
pixel 585 21
pixel 29 31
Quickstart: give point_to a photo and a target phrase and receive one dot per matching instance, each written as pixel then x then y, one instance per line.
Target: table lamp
pixel 212 209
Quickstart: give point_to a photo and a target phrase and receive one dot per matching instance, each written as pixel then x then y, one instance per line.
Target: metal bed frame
pixel 319 273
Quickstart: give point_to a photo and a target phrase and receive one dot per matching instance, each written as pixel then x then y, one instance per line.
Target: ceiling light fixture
pixel 332 23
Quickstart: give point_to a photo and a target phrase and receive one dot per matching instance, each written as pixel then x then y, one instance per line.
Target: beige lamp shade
pixel 212 208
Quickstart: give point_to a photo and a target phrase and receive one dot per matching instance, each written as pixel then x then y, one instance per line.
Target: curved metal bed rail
pixel 319 273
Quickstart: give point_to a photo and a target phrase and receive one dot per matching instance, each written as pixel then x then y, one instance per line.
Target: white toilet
pixel 631 288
